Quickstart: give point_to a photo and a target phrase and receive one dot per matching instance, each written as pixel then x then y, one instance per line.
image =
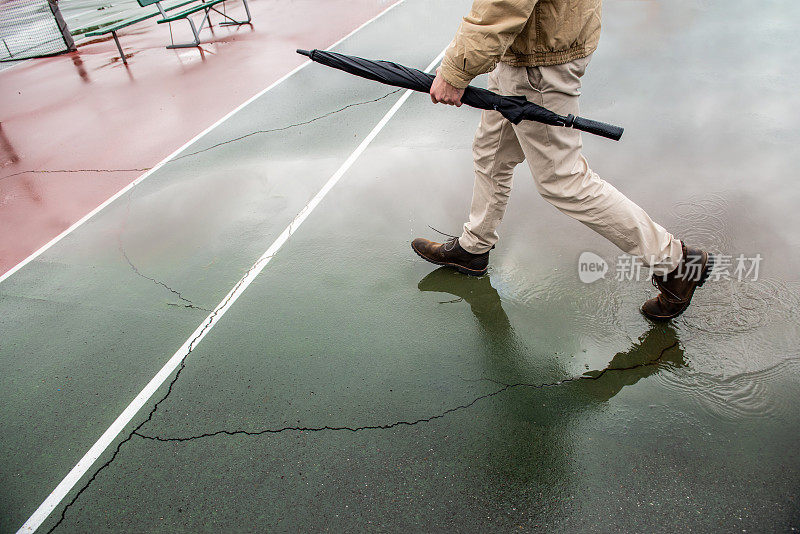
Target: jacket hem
pixel 545 59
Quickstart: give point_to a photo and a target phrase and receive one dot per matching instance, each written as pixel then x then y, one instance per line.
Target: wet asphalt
pixel 354 386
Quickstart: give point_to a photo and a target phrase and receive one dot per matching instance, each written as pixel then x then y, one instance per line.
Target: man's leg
pixel 563 176
pixel 564 179
pixel 495 151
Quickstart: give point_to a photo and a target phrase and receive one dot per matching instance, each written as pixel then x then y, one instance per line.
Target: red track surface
pixel 86 110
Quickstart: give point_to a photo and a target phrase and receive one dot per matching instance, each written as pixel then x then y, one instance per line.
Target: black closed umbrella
pixel 513 108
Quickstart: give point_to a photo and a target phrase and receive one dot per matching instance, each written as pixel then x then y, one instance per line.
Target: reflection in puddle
pixel 8 155
pixel 527 454
pixel 656 349
pixel 78 62
pixel 720 381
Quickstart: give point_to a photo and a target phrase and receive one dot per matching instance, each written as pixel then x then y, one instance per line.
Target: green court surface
pixel 352 386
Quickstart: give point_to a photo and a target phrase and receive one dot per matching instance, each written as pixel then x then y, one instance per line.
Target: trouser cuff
pixel 471 244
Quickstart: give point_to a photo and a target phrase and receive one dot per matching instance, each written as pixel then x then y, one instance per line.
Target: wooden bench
pixel 196 5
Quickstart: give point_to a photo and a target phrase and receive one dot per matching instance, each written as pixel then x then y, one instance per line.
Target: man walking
pixel 540 49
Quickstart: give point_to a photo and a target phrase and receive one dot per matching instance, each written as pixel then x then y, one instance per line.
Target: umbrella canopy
pixel 513 108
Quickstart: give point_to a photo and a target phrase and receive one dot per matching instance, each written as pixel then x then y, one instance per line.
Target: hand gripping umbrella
pixel 513 108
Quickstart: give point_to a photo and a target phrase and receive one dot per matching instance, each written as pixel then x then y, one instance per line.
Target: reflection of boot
pixel 656 349
pixel 477 292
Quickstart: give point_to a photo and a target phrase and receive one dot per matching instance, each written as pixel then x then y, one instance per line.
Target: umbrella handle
pixel 595 127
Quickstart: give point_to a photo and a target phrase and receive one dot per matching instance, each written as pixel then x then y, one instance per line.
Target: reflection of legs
pixel 496 151
pixel 478 293
pixel 657 348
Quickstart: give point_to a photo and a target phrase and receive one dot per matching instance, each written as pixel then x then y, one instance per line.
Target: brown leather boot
pixel 451 254
pixel 676 288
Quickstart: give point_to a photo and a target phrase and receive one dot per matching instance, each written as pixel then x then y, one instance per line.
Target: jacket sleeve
pixel 483 37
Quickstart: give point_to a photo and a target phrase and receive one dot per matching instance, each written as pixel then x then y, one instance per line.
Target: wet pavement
pixel 77 128
pixel 354 386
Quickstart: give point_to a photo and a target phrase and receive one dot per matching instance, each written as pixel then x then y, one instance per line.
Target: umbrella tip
pixel 304 52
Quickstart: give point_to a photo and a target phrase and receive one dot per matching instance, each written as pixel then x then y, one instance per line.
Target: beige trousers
pixel 561 173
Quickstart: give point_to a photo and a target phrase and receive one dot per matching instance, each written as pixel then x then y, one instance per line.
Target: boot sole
pixel 706 272
pixel 459 268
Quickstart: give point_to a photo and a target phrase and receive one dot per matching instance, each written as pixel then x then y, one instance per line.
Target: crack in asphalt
pixel 504 387
pixel 210 320
pixel 72 170
pixel 217 145
pixel 186 302
pixel 287 127
pixel 135 432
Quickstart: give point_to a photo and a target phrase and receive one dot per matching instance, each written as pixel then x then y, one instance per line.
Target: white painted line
pixel 205 327
pixel 166 160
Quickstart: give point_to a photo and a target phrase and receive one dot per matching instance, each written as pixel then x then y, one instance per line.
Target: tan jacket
pixel 527 33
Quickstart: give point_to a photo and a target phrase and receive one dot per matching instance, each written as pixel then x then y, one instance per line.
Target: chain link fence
pixel 32 28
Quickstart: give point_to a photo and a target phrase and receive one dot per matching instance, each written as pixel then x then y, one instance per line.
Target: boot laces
pixel 451 236
pixel 450 243
pixel 665 295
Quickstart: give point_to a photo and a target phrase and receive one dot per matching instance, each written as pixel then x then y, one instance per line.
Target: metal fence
pixel 32 28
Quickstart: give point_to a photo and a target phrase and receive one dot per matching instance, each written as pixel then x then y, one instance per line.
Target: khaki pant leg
pixel 496 151
pixel 563 176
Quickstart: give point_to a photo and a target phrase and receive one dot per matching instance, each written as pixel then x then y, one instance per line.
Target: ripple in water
pixel 726 307
pixel 742 338
pixel 705 222
pixel 733 307
pixel 767 393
